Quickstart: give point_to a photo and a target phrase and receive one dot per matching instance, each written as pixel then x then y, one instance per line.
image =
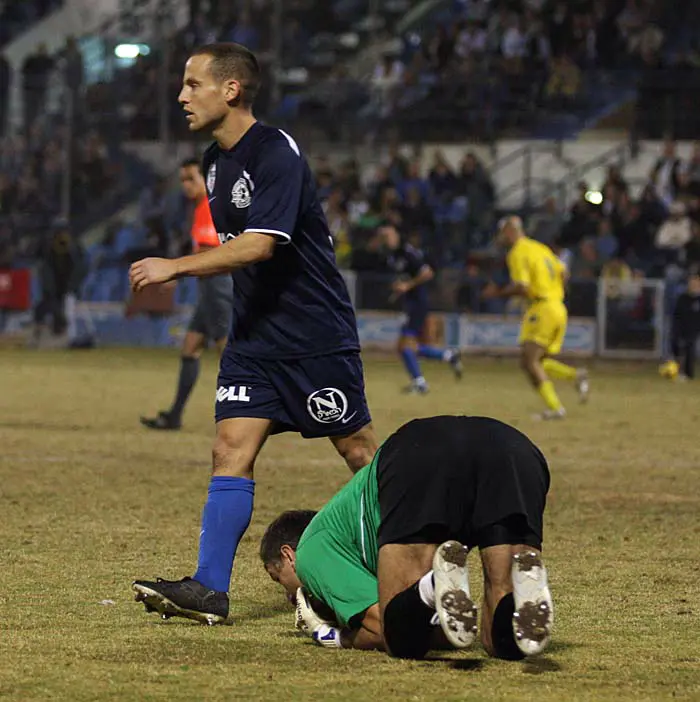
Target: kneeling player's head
pixel 278 547
pixel 218 78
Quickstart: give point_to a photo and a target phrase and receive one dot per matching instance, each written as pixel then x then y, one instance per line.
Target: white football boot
pixel 534 609
pixel 453 602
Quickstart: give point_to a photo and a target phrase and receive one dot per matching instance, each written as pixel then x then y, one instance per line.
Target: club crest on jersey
pixel 327 405
pixel 242 191
pixel 211 178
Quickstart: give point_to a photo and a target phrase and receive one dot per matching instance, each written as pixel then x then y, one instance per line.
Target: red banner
pixel 15 289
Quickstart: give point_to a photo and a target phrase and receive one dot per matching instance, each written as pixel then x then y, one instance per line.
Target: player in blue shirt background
pixel 292 361
pixel 413 273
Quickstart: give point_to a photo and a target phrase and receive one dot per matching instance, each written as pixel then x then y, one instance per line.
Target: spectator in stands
pixel 244 32
pixel 691 176
pixel 414 179
pixel 385 82
pixel 36 71
pixel 471 40
pixel 691 254
pixel 615 178
pixel 5 78
pixel 441 48
pixel 93 165
pixel 564 82
pixel 630 23
pixel 667 173
pixel 475 183
pixel 397 163
pixel 584 44
pixel 73 69
pixel 586 263
pixel 442 180
pixel 417 215
pixel 61 273
pixel 654 210
pixel 559 26
pixel 295 43
pixel 616 269
pixel 635 234
pixel 546 224
pixel 153 200
pixel 606 242
pixel 7 195
pixel 513 45
pixel 674 234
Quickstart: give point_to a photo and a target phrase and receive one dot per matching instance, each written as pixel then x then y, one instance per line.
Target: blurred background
pixel 441 115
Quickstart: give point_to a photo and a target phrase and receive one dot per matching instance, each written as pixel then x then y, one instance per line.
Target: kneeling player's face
pixel 203 98
pixel 284 574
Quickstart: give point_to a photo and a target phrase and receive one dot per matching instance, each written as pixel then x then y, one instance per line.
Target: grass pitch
pixel 89 500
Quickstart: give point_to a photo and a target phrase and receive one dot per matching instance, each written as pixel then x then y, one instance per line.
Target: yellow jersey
pixel 535 266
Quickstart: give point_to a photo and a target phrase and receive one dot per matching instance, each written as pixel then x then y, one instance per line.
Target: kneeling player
pixel 389 552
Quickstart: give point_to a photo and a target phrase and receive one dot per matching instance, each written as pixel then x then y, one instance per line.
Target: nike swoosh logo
pixel 211 199
pixel 347 419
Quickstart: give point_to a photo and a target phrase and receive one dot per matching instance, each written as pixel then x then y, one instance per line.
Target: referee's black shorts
pixel 473 479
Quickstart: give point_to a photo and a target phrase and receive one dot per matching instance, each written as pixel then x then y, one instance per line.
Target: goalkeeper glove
pixel 321 631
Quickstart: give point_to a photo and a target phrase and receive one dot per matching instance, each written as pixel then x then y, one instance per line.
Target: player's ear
pixel 232 91
pixel 288 554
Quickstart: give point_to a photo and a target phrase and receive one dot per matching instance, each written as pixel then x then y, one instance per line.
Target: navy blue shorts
pixel 320 396
pixel 415 321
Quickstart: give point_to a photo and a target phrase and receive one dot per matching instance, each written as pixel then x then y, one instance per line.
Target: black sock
pixel 407 628
pixel 502 630
pixel 189 370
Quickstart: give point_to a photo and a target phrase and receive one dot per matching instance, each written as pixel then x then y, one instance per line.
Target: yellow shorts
pixel 544 323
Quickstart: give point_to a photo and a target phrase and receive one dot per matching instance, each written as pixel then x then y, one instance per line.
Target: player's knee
pixel 230 458
pixel 358 450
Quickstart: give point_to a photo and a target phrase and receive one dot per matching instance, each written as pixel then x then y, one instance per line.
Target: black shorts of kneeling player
pixel 473 479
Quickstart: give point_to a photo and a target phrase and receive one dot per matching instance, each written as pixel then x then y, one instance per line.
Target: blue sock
pixel 225 518
pixel 431 352
pixel 410 360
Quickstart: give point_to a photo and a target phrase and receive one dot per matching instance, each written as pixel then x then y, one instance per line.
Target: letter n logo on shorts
pixel 327 405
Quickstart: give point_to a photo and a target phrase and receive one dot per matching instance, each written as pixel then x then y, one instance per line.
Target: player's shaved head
pixel 231 61
pixel 510 229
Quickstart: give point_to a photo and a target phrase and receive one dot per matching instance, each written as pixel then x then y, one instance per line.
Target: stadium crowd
pixel 451 213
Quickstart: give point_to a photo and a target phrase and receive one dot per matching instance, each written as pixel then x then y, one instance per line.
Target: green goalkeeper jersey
pixel 336 559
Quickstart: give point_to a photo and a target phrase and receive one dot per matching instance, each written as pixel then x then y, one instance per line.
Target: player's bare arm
pixel 368 637
pixel 244 250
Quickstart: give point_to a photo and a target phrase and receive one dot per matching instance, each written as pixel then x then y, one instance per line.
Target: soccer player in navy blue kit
pixel 413 274
pixel 292 362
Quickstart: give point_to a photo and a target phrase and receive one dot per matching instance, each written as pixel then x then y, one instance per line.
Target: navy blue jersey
pixel 406 262
pixel 296 304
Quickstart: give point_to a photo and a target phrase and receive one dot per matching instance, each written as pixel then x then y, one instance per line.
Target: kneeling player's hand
pixel 321 631
pixel 150 271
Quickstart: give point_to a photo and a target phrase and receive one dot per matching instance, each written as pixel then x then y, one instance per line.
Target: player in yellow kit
pixel 539 276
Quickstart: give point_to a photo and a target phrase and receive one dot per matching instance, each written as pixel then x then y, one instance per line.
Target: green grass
pixel 89 501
